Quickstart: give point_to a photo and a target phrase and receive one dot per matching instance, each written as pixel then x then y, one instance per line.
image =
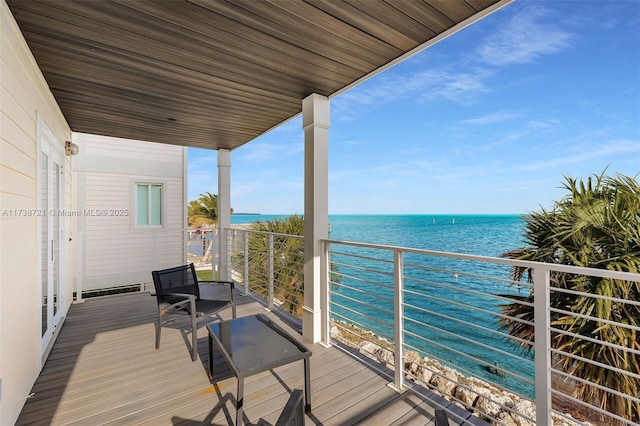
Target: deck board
pixel 104 369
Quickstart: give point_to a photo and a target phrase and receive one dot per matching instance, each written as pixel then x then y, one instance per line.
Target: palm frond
pixel 597 225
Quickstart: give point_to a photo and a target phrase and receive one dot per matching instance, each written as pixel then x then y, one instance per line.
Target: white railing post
pixel 270 301
pixel 221 235
pixel 541 309
pixel 398 313
pixel 229 239
pixel 246 262
pixel 324 294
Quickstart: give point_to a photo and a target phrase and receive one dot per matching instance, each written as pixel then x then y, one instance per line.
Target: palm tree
pixel 203 211
pixel 597 225
pixel 288 264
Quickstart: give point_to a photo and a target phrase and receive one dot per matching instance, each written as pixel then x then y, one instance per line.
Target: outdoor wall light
pixel 70 148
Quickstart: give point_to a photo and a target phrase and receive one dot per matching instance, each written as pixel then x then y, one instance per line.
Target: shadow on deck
pixel 104 369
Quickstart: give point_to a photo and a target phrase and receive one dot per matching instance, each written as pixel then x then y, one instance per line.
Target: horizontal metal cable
pixel 478 360
pixel 250 232
pixel 362 327
pixel 357 290
pixel 334 252
pixel 289 293
pixel 473 325
pixel 350 266
pixel 596 319
pixel 591 407
pixel 465 290
pixel 378 320
pixel 467 274
pixel 470 373
pixel 465 306
pixel 596 341
pixel 362 280
pixel 284 280
pixel 361 303
pixel 362 268
pixel 296 268
pixel 337 264
pixel 264 287
pixel 466 339
pixel 339 285
pixel 595 385
pixel 592 362
pixel 595 296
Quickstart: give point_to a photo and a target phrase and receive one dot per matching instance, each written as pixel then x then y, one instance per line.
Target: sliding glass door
pixel 51 227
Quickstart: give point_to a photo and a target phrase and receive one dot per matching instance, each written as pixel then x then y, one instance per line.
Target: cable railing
pixel 268 265
pixel 201 247
pixel 460 326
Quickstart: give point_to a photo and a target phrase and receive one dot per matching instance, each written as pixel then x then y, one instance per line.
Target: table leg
pixel 307 386
pixel 239 402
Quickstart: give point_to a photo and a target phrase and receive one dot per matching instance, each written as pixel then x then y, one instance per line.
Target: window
pixel 149 204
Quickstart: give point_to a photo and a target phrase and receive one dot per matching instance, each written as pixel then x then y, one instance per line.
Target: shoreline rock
pixel 482 399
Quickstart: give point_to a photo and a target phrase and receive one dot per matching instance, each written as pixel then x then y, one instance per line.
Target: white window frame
pixel 134 197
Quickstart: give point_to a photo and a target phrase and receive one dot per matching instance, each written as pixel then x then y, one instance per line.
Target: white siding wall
pixel 115 251
pixel 24 96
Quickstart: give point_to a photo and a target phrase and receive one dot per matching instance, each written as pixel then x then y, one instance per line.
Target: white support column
pixel 224 209
pixel 315 122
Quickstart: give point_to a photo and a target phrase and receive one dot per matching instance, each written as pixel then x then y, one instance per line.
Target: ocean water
pixel 484 235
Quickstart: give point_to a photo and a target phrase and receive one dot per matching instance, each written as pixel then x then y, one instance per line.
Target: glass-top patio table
pixel 253 344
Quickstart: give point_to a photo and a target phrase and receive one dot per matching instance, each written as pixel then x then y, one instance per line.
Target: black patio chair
pixel 441 418
pixel 293 412
pixel 178 292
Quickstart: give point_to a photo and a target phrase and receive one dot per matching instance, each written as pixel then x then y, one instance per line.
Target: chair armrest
pixel 218 281
pixel 231 283
pixel 188 299
pixel 232 288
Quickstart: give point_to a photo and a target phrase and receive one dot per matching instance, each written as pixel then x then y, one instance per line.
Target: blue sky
pixel 488 120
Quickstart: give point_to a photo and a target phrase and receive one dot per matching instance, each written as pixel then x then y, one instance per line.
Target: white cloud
pixel 266 151
pixel 434 84
pixel 586 153
pixel 525 38
pixel 496 117
pixel 528 129
pixel 460 87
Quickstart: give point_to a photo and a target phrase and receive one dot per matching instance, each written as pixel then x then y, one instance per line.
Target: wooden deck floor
pixel 104 369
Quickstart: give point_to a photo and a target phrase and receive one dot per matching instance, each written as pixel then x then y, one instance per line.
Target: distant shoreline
pixel 388 214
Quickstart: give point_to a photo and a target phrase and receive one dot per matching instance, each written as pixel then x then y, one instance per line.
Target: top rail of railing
pixel 252 231
pixel 602 273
